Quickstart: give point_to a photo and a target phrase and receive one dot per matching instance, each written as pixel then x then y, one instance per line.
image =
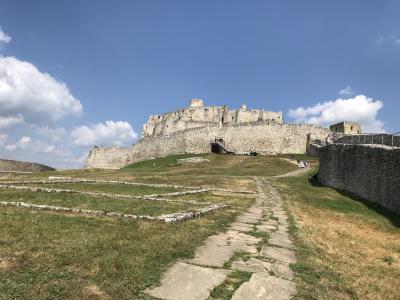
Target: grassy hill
pixel 345 248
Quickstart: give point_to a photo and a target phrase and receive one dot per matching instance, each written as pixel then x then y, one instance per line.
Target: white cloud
pixel 56 134
pixel 397 41
pixel 35 96
pixel 104 134
pixel 4 38
pixel 26 143
pixel 346 91
pixel 359 109
pixel 10 121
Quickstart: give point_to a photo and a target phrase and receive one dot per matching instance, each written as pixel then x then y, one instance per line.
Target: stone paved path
pixel 271 275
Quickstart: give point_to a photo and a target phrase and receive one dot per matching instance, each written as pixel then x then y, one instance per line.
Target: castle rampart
pixel 370 171
pixel 264 138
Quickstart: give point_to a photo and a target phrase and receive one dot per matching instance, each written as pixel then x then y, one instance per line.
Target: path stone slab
pixel 219 249
pixel 280 254
pixel 242 227
pixel 211 255
pixel 283 270
pixel 252 265
pixel 265 287
pixel 266 228
pixel 185 281
pixel 247 220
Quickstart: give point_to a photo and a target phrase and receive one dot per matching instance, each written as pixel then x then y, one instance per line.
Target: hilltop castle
pixel 196 115
pixel 201 129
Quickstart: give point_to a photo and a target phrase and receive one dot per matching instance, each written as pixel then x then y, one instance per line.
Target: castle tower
pixel 196 103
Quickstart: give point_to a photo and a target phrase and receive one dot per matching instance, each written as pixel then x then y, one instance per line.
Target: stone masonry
pixel 191 130
pixel 370 171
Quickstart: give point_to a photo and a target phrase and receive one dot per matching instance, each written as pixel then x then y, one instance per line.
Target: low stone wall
pixel 22 166
pixel 371 172
pixel 268 139
pixel 365 139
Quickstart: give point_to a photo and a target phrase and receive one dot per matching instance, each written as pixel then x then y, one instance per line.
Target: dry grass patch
pixel 346 249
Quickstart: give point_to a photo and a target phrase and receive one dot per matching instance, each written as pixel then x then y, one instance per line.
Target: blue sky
pixel 124 60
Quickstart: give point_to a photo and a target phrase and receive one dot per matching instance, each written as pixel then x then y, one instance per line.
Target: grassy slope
pixel 48 256
pixel 129 206
pixel 347 249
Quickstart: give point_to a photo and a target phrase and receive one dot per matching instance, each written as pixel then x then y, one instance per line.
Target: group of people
pixel 303 164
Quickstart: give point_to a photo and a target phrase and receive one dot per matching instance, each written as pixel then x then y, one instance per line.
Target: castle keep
pixel 198 129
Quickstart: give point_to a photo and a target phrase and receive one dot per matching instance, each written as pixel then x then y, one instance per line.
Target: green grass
pixel 225 165
pixel 234 280
pixel 239 255
pixel 138 207
pixel 45 255
pixel 57 257
pixel 109 188
pixel 160 164
pixel 342 243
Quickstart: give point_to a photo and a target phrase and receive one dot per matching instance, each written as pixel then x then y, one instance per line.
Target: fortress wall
pixel 382 138
pixel 270 139
pixel 371 172
pixel 108 157
pixel 241 138
pixel 22 166
pixel 154 147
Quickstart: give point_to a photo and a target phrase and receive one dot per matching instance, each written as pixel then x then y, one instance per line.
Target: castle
pixel 199 116
pixel 201 129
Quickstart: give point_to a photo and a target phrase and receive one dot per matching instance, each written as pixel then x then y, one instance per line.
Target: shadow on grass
pixel 393 217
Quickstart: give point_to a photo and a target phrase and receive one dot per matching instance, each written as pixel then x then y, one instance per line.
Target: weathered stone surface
pixel 192 160
pixel 247 220
pixel 371 172
pixel 283 270
pixel 280 254
pixel 266 228
pixel 280 239
pixel 219 249
pixel 242 226
pixel 184 281
pixel 252 265
pixel 261 286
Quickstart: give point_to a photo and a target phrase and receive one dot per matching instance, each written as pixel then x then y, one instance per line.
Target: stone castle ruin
pixel 202 129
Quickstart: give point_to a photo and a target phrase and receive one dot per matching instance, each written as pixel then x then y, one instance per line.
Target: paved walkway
pixel 271 276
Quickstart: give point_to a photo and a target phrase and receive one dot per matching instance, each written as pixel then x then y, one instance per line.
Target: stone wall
pixel 377 139
pixel 22 166
pixel 108 157
pixel 371 172
pixel 242 138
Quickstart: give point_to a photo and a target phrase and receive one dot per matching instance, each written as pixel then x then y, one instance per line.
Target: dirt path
pixel 271 276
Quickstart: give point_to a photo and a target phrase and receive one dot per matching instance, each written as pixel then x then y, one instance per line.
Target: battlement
pixel 197 115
